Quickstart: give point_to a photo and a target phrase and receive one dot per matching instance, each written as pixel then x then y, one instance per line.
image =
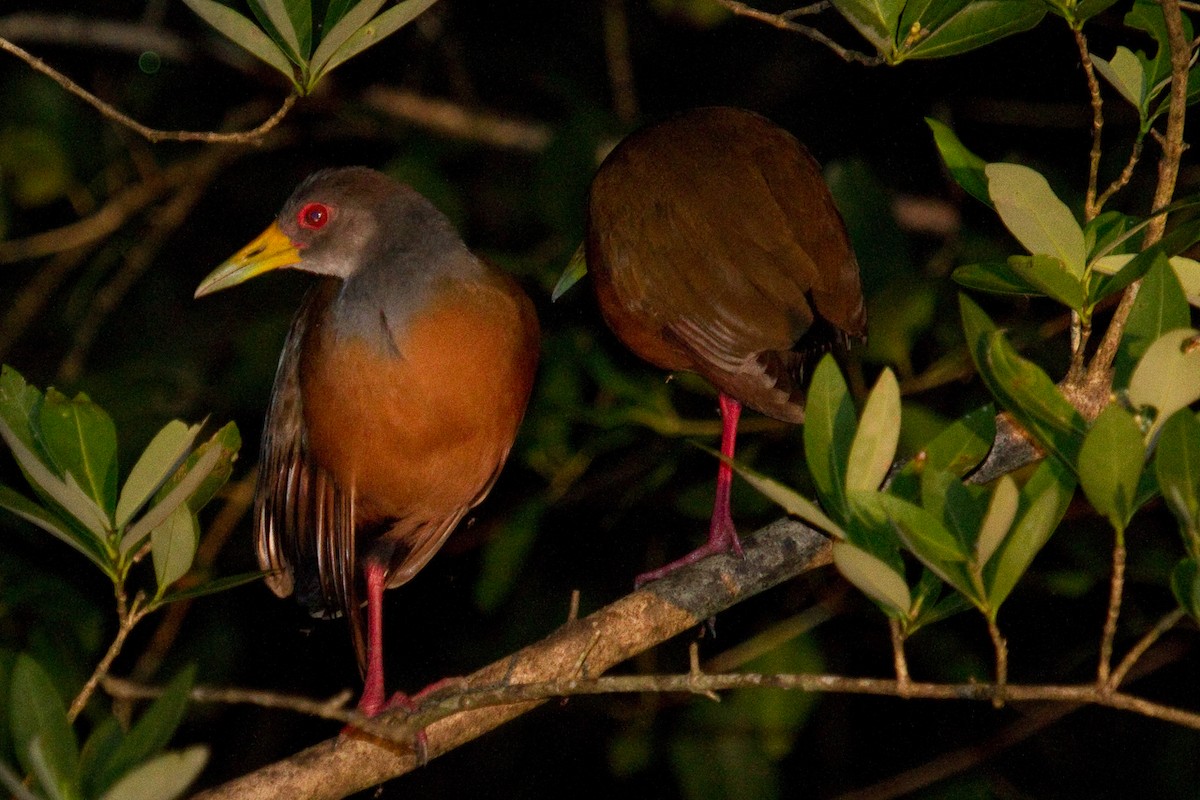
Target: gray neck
pixel 417 251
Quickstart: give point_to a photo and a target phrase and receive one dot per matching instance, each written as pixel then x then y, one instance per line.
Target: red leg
pixel 372 701
pixel 722 536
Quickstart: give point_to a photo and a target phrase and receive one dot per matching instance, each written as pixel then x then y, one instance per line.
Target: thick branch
pixel 580 649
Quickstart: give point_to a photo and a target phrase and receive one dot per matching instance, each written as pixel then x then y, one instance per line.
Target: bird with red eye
pixel 313 216
pixel 714 246
pixel 397 398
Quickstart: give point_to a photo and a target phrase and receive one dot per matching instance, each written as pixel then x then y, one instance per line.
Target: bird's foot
pixel 722 538
pixel 372 705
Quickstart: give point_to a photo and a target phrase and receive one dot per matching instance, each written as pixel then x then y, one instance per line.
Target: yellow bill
pixel 271 250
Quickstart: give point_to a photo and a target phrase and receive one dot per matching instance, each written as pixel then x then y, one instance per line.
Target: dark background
pixel 589 498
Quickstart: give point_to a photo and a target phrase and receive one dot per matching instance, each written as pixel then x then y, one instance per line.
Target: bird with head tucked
pixel 714 246
pixel 398 395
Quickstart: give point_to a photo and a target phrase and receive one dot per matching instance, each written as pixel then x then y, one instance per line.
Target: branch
pixel 784 22
pixel 1100 371
pixel 153 134
pixel 592 645
pixel 453 120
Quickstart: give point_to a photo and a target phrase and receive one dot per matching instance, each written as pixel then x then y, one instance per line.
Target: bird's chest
pixel 403 415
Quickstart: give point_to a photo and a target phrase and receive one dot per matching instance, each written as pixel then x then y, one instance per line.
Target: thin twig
pixel 128 619
pixel 1119 183
pixel 1090 207
pixel 1131 658
pixel 1115 592
pixel 153 134
pixel 784 22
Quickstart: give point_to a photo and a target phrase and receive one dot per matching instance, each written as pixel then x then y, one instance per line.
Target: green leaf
pixel 874 445
pixel 994 278
pixel 66 493
pixel 228 441
pixel 98 750
pixel 1110 233
pixel 1147 15
pixel 829 426
pixel 333 38
pixel 1177 465
pixel 1185 585
pixel 82 440
pixel 1160 307
pixel 1110 464
pixel 876 20
pixel 956 450
pixel 1125 74
pixel 244 33
pixel 1044 500
pixel 920 530
pixel 787 498
pixel 933 545
pixel 333 13
pixel 1180 238
pixel 1187 271
pixel 1032 212
pixel 51 523
pixel 1168 376
pixel 151 733
pixel 173 545
pixel 1086 9
pixel 1001 512
pixel 961 508
pixel 176 497
pixel 964 166
pixel 156 463
pixel 20 406
pixel 37 712
pixel 1051 278
pixel 163 778
pixel 373 32
pixel 873 577
pixel 963 444
pixel 1021 386
pixel 575 270
pixel 211 587
pixel 58 786
pixel 277 22
pixel 956 26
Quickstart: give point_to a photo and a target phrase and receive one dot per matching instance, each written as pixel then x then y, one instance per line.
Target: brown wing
pixel 304 521
pixel 716 246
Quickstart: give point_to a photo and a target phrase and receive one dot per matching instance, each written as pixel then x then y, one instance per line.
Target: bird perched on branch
pixel 714 247
pixel 398 395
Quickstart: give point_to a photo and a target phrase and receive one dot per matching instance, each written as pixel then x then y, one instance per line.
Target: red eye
pixel 313 216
